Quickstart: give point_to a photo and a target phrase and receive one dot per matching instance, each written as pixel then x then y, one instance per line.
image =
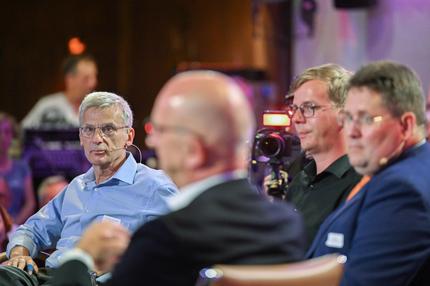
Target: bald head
pixel 211 104
pixel 213 108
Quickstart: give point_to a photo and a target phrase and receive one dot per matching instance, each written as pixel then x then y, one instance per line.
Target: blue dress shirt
pixel 134 195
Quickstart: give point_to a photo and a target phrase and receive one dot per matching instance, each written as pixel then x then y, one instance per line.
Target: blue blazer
pixel 385 229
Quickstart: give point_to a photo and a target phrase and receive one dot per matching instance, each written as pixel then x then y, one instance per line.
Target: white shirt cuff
pixel 78 254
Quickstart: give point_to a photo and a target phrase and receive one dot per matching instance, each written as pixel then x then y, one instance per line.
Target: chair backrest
pixel 321 271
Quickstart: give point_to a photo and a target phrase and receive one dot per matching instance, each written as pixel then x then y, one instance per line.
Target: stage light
pixel 276 118
pixel 76 46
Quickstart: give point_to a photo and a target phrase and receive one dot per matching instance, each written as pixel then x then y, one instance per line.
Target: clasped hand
pixel 23 262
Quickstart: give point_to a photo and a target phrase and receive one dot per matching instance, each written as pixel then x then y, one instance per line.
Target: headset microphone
pixel 384 160
pixel 120 148
pixel 125 148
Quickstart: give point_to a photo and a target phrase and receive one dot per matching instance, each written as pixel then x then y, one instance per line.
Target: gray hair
pixel 102 99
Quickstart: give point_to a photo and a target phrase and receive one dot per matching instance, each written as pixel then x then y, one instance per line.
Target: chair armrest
pixel 3 257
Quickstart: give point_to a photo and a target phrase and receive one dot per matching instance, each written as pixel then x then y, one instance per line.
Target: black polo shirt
pixel 316 196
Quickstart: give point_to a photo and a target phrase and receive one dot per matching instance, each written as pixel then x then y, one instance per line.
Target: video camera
pixel 275 146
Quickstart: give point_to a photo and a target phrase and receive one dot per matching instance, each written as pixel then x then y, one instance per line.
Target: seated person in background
pixel 60 110
pixel 318 95
pixel 5 228
pixel 116 188
pixel 384 228
pixel 49 188
pixel 202 128
pixel 16 187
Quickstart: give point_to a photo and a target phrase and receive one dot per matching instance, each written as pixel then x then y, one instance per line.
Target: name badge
pixel 111 219
pixel 334 240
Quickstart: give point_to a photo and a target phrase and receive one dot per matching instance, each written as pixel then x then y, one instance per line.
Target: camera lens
pixel 271 145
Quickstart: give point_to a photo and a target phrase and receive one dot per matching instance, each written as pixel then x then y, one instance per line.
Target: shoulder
pixel 230 213
pixel 411 168
pixel 152 178
pixel 406 181
pixel 233 191
pixel 153 175
pixel 51 99
pixel 77 182
pixel 235 199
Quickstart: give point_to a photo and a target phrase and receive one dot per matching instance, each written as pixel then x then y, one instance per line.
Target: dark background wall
pixel 138 44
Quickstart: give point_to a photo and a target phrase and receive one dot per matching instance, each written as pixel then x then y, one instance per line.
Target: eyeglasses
pixel 107 130
pixel 307 109
pixel 364 119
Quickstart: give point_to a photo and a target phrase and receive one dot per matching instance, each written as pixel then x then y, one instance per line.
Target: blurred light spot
pixel 211 273
pixel 76 47
pixel 148 127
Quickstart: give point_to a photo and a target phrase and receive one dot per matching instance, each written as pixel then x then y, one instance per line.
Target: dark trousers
pixel 13 276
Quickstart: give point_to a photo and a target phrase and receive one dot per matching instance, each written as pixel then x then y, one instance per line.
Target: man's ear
pixel 130 136
pixel 409 122
pixel 196 153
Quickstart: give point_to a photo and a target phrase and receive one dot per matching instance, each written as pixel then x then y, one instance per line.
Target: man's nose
pixel 298 116
pixel 97 136
pixel 352 129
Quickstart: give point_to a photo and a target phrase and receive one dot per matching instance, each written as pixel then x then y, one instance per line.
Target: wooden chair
pixel 3 257
pixel 321 271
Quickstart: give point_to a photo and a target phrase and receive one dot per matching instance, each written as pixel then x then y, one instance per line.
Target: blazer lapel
pixel 322 233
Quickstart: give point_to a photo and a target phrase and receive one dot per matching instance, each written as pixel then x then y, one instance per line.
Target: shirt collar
pixel 189 192
pixel 337 168
pixel 404 153
pixel 125 173
pixel 422 142
pixel 340 166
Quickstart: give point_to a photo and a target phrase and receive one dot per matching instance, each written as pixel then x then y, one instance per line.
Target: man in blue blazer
pixel 384 228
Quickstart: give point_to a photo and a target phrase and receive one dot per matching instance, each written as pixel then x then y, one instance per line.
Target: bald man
pixel 202 127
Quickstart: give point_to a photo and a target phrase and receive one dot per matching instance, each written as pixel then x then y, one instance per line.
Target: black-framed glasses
pixel 106 130
pixel 307 109
pixel 346 119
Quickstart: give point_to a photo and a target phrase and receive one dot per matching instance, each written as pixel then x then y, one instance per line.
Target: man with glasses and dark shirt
pixel 116 188
pixel 318 94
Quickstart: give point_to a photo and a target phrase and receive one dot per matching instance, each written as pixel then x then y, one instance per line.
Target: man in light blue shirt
pixel 217 217
pixel 116 188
